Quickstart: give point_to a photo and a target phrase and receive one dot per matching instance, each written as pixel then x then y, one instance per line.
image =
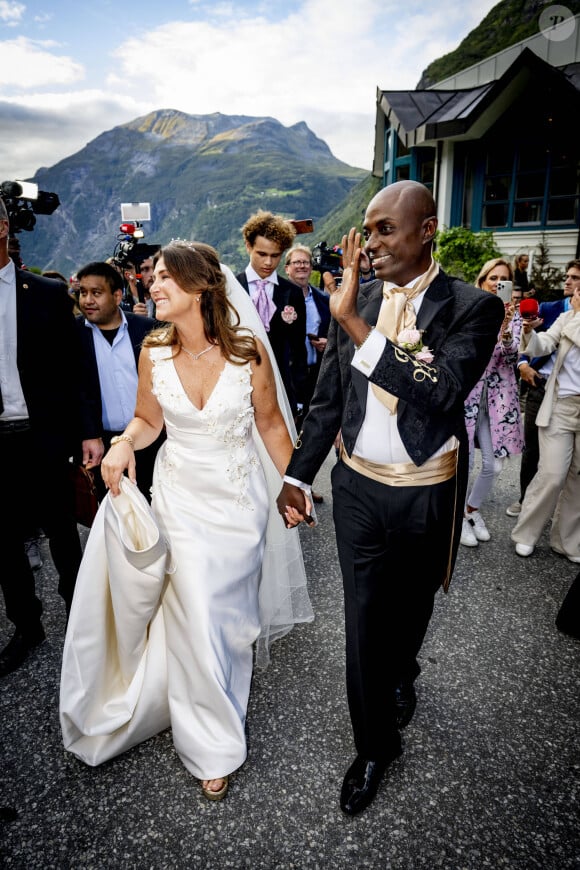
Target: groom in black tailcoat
pixel 399 486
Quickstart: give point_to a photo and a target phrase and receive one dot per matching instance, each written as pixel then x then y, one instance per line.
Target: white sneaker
pixel 514 510
pixel 575 559
pixel 524 549
pixel 479 527
pixel 467 538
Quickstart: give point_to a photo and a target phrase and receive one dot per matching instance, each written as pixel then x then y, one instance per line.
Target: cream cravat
pixel 397 313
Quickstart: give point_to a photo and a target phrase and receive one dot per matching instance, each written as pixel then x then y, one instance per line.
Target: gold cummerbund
pixel 435 470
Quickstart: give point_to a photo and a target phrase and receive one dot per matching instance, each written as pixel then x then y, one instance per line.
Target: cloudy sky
pixel 70 70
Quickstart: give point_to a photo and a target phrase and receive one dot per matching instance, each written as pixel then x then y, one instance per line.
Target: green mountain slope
pixel 507 23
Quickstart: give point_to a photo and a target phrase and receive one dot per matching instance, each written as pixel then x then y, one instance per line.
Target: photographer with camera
pixel 130 300
pixel 41 426
pixel 146 279
pixel 124 259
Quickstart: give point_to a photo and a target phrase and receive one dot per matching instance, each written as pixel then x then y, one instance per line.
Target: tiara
pixel 185 242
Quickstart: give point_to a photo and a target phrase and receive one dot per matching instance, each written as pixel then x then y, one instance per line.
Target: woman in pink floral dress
pixel 492 409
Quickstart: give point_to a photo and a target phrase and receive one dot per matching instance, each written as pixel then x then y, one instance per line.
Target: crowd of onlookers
pixel 524 405
pixel 527 404
pixel 127 357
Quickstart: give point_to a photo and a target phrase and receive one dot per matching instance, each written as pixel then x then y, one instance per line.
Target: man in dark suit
pixel 298 265
pixel 40 428
pixel 397 490
pixel 280 303
pixel 111 343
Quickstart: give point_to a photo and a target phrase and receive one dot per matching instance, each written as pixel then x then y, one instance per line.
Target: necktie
pixel 397 313
pixel 264 305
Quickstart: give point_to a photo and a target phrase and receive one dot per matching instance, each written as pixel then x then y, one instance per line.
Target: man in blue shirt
pixel 111 342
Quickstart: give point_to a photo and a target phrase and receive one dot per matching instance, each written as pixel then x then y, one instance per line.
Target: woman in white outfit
pixel 554 492
pixel 212 385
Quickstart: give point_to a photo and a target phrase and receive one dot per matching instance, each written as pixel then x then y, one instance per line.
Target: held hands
pixel 294 506
pixel 118 458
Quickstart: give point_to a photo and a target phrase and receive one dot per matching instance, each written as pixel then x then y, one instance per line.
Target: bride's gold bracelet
pixel 117 438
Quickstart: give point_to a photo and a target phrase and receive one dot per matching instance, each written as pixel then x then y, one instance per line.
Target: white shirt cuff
pixel 369 353
pixel 305 486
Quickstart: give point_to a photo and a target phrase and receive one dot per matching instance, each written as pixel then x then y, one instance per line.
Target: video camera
pixel 130 234
pixel 130 249
pixel 23 201
pixel 325 259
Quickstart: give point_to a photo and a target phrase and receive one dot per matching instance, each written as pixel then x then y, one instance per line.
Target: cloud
pixel 11 13
pixel 27 64
pixel 306 62
pixel 34 136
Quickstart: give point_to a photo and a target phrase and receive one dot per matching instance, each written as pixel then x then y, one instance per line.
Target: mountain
pixel 203 176
pixel 508 22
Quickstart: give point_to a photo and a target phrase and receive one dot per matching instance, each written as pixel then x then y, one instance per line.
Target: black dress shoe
pixel 405 703
pixel 18 649
pixel 361 783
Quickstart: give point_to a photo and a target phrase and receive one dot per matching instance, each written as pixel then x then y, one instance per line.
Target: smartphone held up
pixel 504 291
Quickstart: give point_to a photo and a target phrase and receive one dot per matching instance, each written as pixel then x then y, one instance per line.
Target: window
pixel 530 178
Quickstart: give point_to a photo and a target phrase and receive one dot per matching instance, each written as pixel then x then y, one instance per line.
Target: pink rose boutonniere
pixel 411 340
pixel 288 314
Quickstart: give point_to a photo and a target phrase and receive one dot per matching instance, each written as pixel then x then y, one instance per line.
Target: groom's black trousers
pixel 394 549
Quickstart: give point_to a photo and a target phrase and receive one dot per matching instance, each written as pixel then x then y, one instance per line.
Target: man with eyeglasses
pixel 535 373
pixel 299 269
pixel 298 266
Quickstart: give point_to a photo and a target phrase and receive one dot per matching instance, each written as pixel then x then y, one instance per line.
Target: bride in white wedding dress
pixel 235 578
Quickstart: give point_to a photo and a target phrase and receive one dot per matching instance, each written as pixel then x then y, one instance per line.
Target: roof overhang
pixel 426 117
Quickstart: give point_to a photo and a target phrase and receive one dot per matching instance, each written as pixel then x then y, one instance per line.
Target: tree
pixel 547 280
pixel 462 253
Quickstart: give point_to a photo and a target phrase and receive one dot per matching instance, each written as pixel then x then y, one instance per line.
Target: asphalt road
pixel 489 777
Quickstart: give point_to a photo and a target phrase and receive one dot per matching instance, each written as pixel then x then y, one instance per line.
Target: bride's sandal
pixel 216 795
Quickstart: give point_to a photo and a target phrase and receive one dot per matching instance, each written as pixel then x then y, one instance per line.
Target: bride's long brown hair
pixel 195 267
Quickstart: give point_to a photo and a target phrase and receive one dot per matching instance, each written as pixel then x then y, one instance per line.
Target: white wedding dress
pixel 211 502
pixel 196 625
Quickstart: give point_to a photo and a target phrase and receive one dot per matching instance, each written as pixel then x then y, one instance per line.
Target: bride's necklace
pixel 197 355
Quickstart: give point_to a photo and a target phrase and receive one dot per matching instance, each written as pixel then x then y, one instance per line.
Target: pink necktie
pixel 264 305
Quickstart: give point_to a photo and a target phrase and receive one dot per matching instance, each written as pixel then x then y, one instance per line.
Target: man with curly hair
pixel 279 302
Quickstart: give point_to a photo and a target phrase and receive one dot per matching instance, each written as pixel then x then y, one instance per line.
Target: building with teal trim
pixel 497 143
